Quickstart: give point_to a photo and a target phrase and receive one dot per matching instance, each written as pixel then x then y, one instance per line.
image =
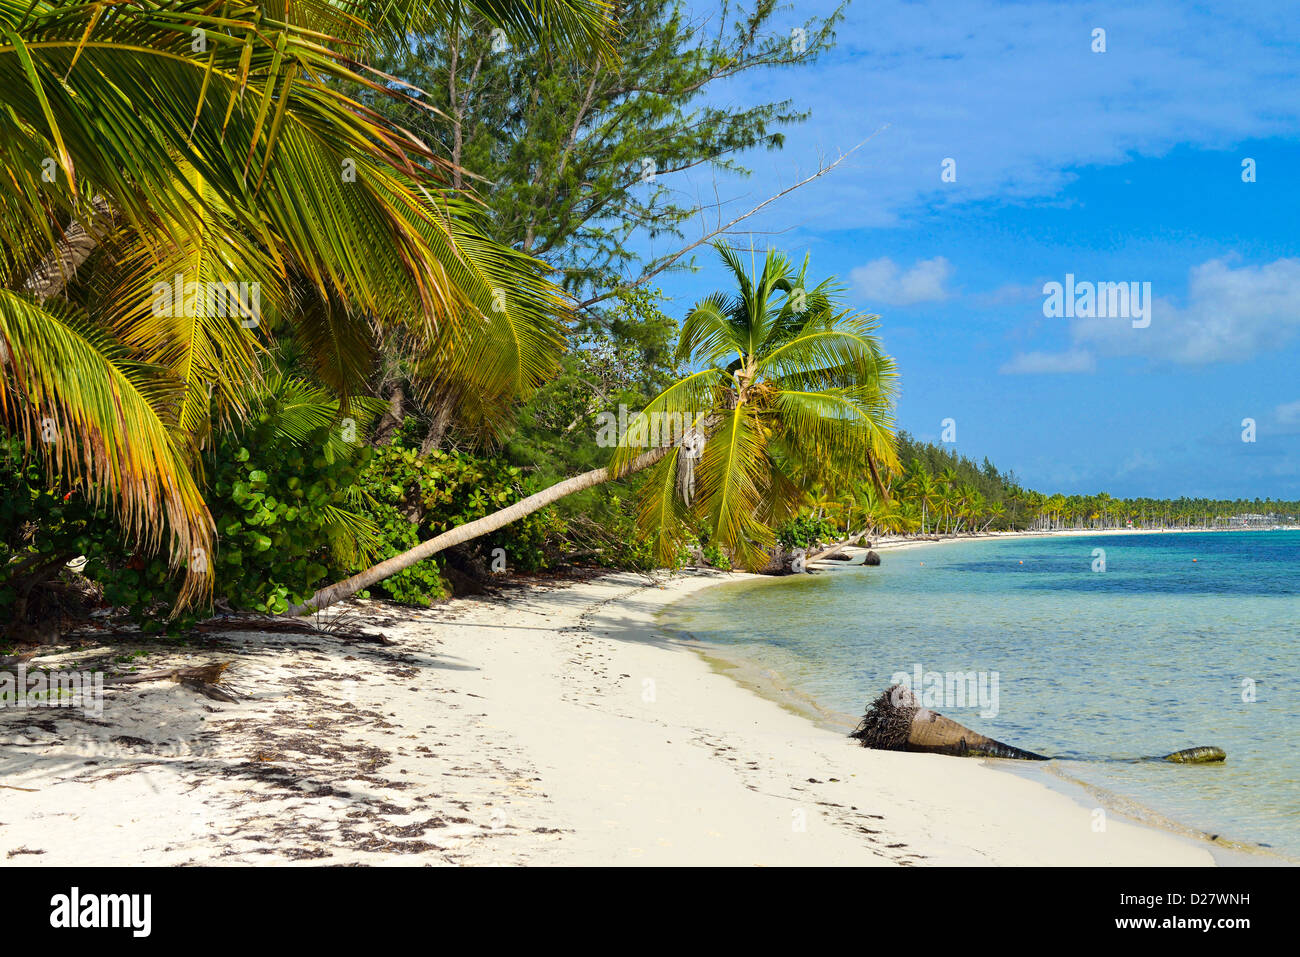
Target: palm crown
pixel 791 390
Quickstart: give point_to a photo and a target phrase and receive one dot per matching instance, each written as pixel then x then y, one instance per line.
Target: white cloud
pixel 1049 363
pixel 1015 95
pixel 881 281
pixel 1230 314
pixel 1288 414
pixel 1139 461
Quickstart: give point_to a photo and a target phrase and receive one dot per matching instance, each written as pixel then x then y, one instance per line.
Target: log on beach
pixel 895 721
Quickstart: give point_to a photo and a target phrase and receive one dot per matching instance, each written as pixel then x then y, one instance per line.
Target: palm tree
pixel 906 518
pixel 180 144
pixel 995 513
pixel 875 509
pixel 1055 509
pixel 968 499
pixel 924 489
pixel 948 507
pixel 976 507
pixel 790 390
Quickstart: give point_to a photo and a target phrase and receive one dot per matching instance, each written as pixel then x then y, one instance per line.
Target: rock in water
pixel 1199 755
pixel 872 559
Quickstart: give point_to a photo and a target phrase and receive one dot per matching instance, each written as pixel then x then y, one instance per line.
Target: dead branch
pixel 665 262
pixel 203 679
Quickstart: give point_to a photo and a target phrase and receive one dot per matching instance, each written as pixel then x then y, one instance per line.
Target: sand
pixel 550 725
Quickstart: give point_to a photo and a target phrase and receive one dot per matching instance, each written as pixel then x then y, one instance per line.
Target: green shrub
pixel 804 531
pixel 412 498
pixel 716 557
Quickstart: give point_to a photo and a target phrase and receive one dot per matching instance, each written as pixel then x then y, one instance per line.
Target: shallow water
pixel 1155 653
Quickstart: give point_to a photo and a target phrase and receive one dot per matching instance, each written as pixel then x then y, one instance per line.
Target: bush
pixel 413 497
pixel 716 557
pixel 806 530
pixel 42 528
pixel 287 517
pixel 280 490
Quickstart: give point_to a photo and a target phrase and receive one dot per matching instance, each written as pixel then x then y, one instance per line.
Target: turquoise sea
pixel 1183 639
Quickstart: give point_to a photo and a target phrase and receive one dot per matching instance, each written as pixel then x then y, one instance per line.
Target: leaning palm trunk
pixel 469 531
pixel 836 548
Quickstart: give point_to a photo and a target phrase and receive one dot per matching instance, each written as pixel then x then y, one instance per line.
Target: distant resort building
pixel 1254 519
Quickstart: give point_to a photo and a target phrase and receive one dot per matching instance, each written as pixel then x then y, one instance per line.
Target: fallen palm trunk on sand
pixel 896 721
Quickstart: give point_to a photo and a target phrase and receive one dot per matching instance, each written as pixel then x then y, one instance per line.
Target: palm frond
pixel 662 515
pixel 674 411
pixel 731 481
pixel 74 394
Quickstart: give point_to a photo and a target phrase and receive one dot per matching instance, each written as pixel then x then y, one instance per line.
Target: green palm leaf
pixel 73 393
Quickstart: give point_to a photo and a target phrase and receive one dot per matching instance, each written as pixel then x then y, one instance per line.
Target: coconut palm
pixel 924 490
pixel 1055 507
pixel 905 518
pixel 967 499
pixel 975 507
pixel 791 390
pixel 874 508
pixel 217 143
pixel 947 505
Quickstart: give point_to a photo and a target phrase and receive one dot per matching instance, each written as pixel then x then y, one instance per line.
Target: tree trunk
pixel 74 248
pixel 444 405
pixel 834 549
pixel 875 478
pixel 392 418
pixel 471 530
pixel 28 579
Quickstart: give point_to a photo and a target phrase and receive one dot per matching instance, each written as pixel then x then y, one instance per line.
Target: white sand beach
pixel 895 542
pixel 552 725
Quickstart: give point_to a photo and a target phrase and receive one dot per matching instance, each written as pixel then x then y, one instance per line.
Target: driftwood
pixel 896 721
pixel 835 549
pixel 291 626
pixel 203 679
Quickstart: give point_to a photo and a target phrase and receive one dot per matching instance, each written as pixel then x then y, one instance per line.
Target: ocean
pixel 1095 650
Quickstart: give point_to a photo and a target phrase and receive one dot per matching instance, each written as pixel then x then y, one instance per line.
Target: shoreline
pixel 766 682
pixel 553 724
pixel 896 543
pixel 769 684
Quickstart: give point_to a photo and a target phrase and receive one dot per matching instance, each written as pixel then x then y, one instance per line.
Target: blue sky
pixel 1116 166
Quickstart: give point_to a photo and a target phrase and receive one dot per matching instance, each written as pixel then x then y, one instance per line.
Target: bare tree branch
pixel 664 262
